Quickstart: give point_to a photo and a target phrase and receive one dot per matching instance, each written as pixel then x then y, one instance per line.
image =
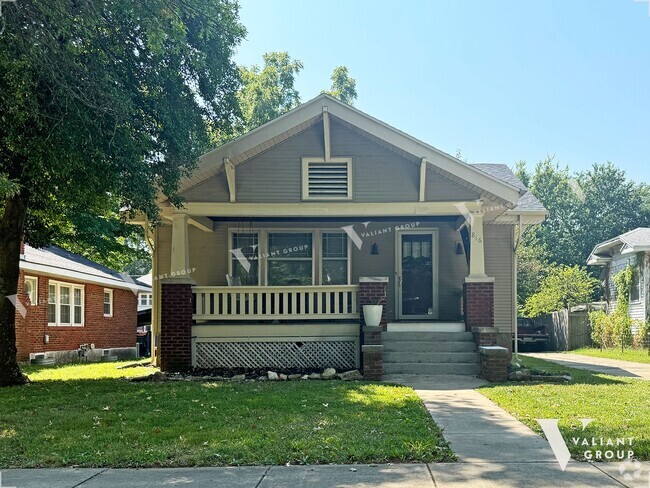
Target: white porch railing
pixel 276 302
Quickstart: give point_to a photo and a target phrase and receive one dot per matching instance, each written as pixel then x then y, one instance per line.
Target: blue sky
pixel 501 80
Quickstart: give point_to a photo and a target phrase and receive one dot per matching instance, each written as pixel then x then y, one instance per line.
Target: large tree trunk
pixel 12 226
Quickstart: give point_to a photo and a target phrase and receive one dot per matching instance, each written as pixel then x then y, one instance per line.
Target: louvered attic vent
pixel 329 180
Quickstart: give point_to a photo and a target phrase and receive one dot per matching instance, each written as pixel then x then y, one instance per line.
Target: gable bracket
pixel 230 175
pixel 326 133
pixel 423 178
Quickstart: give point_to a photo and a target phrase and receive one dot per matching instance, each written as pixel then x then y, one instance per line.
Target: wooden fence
pixel 569 329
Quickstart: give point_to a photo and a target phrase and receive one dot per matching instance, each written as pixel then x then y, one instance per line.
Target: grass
pixel 619 406
pixel 633 355
pixel 87 415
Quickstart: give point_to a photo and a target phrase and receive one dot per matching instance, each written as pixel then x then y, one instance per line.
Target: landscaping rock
pixel 238 378
pixel 294 377
pixel 353 375
pixel 328 374
pixel 314 376
pixel 519 375
pixel 263 378
pixel 273 376
pixel 283 377
pixel 304 377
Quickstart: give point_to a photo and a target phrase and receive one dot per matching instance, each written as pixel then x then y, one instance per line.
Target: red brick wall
pixel 176 309
pixel 105 332
pixel 479 304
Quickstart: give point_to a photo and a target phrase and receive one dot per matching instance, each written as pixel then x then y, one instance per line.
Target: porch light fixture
pixel 459 247
pixel 374 249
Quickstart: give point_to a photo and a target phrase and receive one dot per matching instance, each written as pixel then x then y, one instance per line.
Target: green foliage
pixel 564 285
pixel 532 267
pixel 343 87
pixel 615 329
pixel 268 91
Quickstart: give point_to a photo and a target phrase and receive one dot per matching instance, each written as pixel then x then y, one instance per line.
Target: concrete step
pixel 443 346
pixel 427 336
pixel 426 326
pixel 430 357
pixel 431 368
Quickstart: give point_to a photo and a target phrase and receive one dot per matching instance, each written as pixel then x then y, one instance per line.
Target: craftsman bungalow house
pixel 289 229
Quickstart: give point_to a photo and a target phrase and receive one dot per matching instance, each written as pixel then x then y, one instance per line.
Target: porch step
pixel 442 346
pixel 425 327
pixel 430 357
pixel 431 368
pixel 427 336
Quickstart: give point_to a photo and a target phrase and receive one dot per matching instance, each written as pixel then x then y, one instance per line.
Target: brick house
pixel 66 301
pixel 289 230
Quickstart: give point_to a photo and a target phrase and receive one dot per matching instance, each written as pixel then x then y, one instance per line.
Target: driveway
pixel 612 367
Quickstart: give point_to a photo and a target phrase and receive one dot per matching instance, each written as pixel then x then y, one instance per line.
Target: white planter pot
pixel 372 315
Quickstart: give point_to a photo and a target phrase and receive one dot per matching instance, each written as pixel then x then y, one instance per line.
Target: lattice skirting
pixel 305 355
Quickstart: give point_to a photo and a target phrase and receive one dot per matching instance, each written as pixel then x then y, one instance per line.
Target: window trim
pixel 57 303
pixel 110 292
pixel 321 257
pixel 305 178
pixel 639 288
pixel 313 258
pixel 34 280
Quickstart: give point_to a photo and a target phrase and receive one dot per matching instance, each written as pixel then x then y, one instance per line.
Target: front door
pixel 417 275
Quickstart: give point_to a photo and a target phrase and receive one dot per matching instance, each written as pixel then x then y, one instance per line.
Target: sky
pixel 499 80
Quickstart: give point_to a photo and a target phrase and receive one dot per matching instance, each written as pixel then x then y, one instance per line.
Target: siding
pixel 499 264
pixel 618 264
pixel 440 189
pixel 214 189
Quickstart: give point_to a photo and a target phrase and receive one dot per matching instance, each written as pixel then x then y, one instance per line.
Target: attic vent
pixel 327 180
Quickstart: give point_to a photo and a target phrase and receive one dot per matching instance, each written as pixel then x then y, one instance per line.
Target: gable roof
pixel 309 113
pixel 527 202
pixel 56 261
pixel 637 240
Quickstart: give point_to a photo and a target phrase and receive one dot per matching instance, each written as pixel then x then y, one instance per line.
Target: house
pixel 67 303
pixel 145 298
pixel 614 255
pixel 287 231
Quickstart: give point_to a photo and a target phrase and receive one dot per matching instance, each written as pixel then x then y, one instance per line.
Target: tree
pixel 532 266
pixel 103 104
pixel 563 285
pixel 343 86
pixel 269 91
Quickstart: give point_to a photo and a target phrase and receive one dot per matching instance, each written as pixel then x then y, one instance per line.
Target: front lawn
pixel 87 416
pixel 633 355
pixel 619 406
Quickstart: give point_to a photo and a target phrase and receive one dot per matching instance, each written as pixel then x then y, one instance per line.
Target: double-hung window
pixel 108 302
pixel 31 289
pixel 244 258
pixel 334 258
pixel 290 259
pixel 65 304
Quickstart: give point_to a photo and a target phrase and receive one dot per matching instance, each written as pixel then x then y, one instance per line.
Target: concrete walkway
pixel 614 367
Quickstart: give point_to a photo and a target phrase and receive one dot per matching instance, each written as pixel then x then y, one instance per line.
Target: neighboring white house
pixel 145 298
pixel 614 255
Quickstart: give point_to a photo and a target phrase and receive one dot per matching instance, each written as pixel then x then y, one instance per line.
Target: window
pixel 145 299
pixel 244 257
pixel 326 180
pixel 334 258
pixel 635 286
pixel 31 289
pixel 65 304
pixel 290 259
pixel 108 303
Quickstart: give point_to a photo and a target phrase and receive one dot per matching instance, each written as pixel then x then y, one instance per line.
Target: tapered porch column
pixel 478 287
pixel 176 303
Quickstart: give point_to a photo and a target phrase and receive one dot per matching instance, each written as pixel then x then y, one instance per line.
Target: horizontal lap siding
pixel 499 263
pixel 619 263
pixel 214 189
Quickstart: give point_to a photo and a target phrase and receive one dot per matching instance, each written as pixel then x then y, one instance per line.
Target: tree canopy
pixel 343 86
pixel 103 106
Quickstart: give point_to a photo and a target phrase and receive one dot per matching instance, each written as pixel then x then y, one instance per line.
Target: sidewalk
pixel 614 367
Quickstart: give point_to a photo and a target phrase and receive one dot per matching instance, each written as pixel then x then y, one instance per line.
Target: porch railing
pixel 276 302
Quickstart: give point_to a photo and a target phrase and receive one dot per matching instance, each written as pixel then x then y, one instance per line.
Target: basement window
pixel 326 180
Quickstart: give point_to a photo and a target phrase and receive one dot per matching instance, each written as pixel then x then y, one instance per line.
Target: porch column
pixel 180 259
pixel 478 287
pixel 372 291
pixel 176 304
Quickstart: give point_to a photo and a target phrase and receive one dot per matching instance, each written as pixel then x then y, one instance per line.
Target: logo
pixel 18 305
pixel 605 448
